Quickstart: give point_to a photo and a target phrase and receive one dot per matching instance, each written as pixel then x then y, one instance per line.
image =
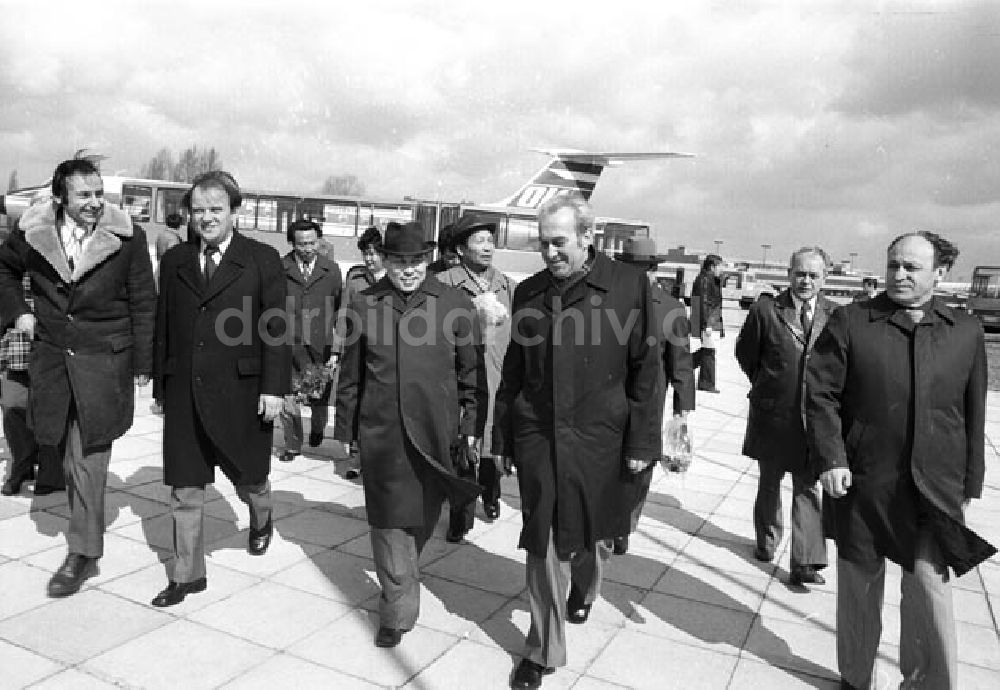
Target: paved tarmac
pixel 687 607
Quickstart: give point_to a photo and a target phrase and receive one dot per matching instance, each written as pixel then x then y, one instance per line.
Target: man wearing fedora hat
pixel 491 291
pixel 411 382
pixel 673 334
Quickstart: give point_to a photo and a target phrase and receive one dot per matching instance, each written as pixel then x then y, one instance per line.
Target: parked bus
pixel 266 215
pixel 984 296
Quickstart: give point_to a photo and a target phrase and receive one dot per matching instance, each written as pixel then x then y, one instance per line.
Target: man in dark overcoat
pixel 576 413
pixel 314 288
pixel 411 383
pixel 896 414
pixel 222 359
pixel 706 319
pixel 772 349
pixel 673 336
pixel 94 299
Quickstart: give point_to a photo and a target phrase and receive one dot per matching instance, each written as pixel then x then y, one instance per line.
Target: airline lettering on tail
pixel 535 195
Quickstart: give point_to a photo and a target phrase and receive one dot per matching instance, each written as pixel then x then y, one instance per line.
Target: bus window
pixel 246 215
pixel 522 233
pixel 340 218
pixel 382 214
pixel 267 214
pixel 137 201
pixel 610 236
pixel 168 200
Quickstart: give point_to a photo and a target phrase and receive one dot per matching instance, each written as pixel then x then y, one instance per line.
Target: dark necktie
pixel 805 316
pixel 306 271
pixel 210 265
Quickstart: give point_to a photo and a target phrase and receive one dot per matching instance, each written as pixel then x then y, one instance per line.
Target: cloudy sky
pixel 841 123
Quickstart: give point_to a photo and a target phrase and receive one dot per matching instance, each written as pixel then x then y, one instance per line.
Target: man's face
pixel 406 272
pixel 306 244
pixel 717 270
pixel 211 215
pixel 563 251
pixel 477 251
pixel 910 275
pixel 84 201
pixel 870 289
pixel 806 276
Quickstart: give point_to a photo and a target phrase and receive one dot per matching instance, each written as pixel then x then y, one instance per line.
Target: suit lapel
pixel 189 270
pixel 824 308
pixel 100 246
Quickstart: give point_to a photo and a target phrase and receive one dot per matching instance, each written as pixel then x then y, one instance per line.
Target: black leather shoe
pixel 388 637
pixel 805 574
pixel 13 484
pixel 528 675
pixel 576 611
pixel 621 546
pixel 287 456
pixel 762 554
pixel 44 490
pixel 492 509
pixel 352 473
pixel 713 389
pixel 455 535
pixel 176 591
pixel 260 539
pixel 71 575
pixel 315 438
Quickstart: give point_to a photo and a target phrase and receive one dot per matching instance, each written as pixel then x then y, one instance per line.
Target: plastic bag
pixel 678 445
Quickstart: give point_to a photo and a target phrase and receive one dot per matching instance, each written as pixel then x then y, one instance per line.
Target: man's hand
pixel 26 323
pixel 268 406
pixel 636 465
pixel 836 482
pixel 141 380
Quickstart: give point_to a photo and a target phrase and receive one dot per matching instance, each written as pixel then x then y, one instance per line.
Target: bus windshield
pixel 986 282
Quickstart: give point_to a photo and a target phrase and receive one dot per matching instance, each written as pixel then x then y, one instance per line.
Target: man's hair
pixel 945 252
pixel 174 221
pixel 815 250
pixel 68 168
pixel 216 178
pixel 371 237
pixel 582 213
pixel 301 225
pixel 870 280
pixel 710 262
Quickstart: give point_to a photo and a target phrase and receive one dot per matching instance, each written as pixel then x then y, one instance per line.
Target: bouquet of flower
pixel 309 385
pixel 491 311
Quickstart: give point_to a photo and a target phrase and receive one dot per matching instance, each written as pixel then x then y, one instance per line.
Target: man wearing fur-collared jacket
pixel 94 298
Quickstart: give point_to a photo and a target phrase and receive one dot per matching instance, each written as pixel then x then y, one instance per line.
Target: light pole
pixel 718 245
pixel 763 261
pixel 854 268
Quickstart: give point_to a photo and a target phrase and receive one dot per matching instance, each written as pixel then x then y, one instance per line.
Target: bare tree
pixel 12 181
pixel 343 184
pixel 159 167
pixel 194 161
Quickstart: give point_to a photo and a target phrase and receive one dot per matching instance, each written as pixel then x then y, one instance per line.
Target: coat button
pixel 69 351
pixel 197 379
pixel 69 317
pixel 203 308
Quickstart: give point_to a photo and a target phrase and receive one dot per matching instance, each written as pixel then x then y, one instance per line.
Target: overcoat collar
pixel 383 290
pixel 233 262
pixel 598 277
pixel 459 276
pixel 881 308
pixel 42 235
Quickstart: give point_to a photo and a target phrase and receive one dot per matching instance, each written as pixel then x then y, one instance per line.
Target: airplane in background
pixel 265 215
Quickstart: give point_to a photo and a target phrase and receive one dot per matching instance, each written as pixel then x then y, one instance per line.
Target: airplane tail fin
pixel 571 171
